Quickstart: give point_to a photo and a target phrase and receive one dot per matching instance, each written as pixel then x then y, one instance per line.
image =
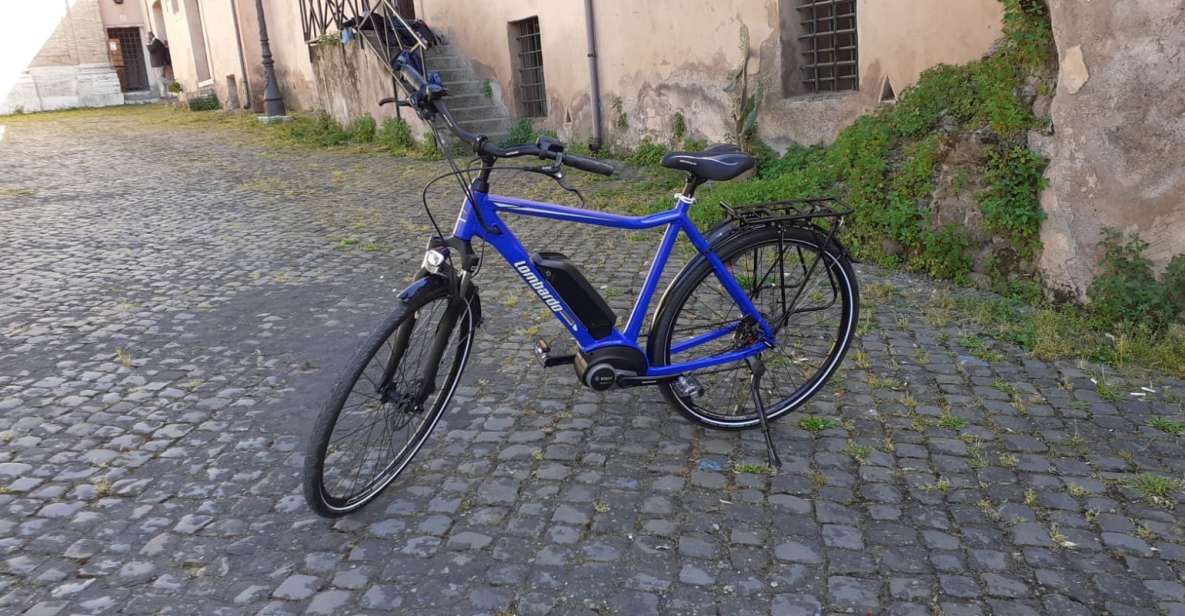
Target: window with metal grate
pixel 827 45
pixel 529 83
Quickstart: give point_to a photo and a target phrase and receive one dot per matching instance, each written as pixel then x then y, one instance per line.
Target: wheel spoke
pixel 773 272
pixel 373 435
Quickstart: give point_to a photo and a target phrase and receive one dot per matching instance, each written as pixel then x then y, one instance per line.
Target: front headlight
pixel 434 259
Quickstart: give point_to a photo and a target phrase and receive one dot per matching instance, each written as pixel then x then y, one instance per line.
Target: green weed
pixel 814 423
pixel 396 136
pixel 1170 426
pixel 756 469
pixel 952 422
pixel 1157 489
pixel 857 452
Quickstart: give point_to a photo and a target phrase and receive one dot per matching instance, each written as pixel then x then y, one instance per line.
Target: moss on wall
pixel 888 165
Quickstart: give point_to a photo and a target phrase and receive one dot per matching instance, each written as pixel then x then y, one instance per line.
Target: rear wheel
pixel 773 266
pixel 388 401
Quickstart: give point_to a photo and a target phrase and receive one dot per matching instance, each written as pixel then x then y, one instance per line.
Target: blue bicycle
pixel 747 332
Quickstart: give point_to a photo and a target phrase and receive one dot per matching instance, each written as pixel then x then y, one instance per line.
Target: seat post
pixel 693 182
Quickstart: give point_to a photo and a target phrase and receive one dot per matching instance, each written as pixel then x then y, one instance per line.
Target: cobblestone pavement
pixel 175 302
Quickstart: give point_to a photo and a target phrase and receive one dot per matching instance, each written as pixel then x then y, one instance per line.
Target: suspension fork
pixel 398 348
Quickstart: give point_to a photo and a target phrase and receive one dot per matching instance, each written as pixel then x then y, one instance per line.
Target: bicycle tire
pixel 401 323
pixel 834 265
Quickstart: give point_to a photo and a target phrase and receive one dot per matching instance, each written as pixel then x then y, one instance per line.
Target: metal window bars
pixel 828 45
pixel 379 23
pixel 532 90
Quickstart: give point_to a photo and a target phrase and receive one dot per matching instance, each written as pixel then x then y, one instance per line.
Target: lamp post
pixel 273 103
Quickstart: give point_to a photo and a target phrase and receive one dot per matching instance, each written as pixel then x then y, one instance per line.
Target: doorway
pixel 127 56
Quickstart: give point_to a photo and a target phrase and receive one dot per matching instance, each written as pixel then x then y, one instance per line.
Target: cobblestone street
pixel 176 301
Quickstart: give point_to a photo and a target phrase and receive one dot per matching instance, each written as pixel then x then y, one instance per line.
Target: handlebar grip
pixel 588 164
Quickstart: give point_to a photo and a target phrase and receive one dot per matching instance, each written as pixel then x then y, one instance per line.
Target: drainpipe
pixel 234 14
pixel 594 82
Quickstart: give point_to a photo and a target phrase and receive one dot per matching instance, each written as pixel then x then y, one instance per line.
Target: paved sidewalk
pixel 175 302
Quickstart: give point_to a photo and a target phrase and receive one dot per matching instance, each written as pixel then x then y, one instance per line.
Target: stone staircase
pixel 473 110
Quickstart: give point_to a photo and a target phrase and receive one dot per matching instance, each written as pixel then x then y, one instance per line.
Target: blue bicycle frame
pixel 504 241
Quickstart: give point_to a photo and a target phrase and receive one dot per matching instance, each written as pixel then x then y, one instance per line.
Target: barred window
pixel 819 46
pixel 529 84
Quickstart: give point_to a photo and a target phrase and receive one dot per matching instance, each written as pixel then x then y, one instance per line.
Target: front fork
pixel 462 298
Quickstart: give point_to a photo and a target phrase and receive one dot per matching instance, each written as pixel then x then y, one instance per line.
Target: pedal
pixel 543 352
pixel 688 386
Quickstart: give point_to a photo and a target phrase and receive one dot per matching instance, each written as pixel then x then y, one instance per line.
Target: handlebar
pixel 426 99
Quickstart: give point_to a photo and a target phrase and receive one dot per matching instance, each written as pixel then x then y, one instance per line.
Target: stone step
pixel 487 126
pixel 437 63
pixel 479 112
pixel 449 75
pixel 463 87
pixel 467 100
pixel 141 96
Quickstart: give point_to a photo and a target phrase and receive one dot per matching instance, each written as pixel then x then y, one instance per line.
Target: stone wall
pixel 1118 153
pixel 349 83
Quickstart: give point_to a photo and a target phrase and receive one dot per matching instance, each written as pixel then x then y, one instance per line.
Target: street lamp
pixel 273 103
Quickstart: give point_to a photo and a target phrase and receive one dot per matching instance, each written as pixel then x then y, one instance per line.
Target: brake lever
pixel 555 171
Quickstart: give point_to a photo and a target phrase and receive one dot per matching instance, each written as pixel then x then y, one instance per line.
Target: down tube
pixel 507 244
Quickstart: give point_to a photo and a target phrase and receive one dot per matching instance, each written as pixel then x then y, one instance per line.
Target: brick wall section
pixel 79 38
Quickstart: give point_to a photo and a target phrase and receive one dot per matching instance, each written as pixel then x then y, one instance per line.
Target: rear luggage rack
pixel 791 211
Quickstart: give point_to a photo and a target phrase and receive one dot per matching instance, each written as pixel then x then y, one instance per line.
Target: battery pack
pixel 577 293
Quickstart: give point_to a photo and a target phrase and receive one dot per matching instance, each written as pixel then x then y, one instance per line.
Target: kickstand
pixel 758 368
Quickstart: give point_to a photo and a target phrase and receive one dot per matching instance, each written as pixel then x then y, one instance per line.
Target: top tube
pixel 514 205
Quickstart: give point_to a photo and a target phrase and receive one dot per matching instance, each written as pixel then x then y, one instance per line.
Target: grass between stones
pixel 814 423
pixel 1159 490
pixel 1171 426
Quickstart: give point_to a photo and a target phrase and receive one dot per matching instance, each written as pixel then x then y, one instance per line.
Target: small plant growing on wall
pixel 486 89
pixel 678 127
pixel 618 108
pixel 744 104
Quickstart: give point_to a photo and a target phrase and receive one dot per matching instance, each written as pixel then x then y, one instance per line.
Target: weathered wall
pixel 181 44
pixel 293 64
pixel 223 50
pixel 667 56
pixel 898 39
pixel 53 55
pixel 350 82
pixel 1119 147
pixel 294 67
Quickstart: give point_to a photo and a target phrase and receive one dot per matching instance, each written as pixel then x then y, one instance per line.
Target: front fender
pixel 425 280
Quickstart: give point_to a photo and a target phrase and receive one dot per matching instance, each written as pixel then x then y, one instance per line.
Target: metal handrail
pixel 321 17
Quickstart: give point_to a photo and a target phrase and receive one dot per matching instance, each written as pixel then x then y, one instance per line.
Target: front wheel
pixel 773 266
pixel 389 399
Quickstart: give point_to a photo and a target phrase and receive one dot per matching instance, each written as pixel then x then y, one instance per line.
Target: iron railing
pixel 319 18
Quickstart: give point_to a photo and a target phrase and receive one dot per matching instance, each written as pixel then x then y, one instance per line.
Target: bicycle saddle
pixel 719 162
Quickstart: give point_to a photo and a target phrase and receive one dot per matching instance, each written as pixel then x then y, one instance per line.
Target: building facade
pixel 819 65
pixel 215 46
pixel 54 55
